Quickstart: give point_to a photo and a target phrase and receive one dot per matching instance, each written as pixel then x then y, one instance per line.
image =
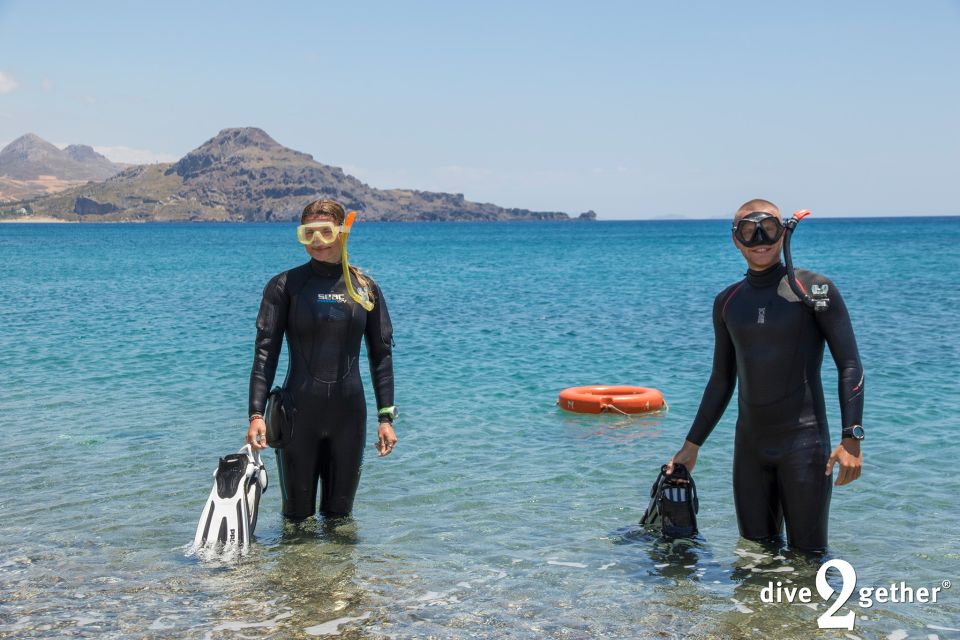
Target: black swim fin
pixel 652 515
pixel 674 504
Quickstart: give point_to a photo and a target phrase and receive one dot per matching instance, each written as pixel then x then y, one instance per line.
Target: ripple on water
pixel 498 515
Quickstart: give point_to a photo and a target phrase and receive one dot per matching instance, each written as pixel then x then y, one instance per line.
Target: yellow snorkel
pixel 361 298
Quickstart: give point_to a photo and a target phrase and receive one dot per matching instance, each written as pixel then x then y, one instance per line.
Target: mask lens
pixel 772 227
pixel 746 231
pixel 325 234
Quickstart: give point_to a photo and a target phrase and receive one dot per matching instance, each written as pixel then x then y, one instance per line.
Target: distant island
pixel 240 175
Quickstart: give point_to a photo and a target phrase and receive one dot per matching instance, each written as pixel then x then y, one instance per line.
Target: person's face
pixel 761 256
pixel 317 249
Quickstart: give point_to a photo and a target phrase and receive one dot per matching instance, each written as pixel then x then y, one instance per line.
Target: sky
pixel 631 109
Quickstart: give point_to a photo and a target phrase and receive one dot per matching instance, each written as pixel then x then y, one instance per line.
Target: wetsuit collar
pixel 325 268
pixel 768 277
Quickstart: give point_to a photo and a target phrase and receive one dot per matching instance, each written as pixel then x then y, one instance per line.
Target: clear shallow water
pixel 124 359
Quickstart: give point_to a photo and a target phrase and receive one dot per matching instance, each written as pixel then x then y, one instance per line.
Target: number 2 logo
pixel 849 575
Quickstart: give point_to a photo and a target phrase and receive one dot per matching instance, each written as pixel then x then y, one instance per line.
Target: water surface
pixel 125 354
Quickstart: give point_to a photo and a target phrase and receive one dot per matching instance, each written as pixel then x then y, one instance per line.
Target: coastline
pixel 38 219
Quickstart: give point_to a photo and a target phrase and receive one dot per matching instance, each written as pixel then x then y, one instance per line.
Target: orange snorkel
pixel 361 297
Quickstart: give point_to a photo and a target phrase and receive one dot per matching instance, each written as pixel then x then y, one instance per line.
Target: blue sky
pixel 633 109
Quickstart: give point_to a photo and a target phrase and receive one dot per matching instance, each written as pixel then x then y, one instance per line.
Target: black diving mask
pixel 758 228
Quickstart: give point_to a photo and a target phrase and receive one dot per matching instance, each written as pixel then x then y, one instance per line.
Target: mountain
pixel 99 166
pixel 245 175
pixel 30 166
pixel 30 156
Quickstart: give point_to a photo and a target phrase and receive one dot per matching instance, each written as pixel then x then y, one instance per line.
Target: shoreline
pixel 38 219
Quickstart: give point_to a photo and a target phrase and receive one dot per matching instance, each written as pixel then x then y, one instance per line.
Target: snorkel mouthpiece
pixel 819 300
pixel 361 297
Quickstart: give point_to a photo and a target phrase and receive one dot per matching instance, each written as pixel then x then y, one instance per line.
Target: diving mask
pixel 324 232
pixel 758 228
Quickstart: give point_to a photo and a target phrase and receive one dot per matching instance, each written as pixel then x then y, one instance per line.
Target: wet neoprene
pixel 772 345
pixel 324 327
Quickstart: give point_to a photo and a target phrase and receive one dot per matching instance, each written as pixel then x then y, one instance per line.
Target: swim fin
pixel 674 503
pixel 652 515
pixel 230 515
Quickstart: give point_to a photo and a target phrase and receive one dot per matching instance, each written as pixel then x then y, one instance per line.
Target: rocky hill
pixel 30 166
pixel 99 166
pixel 244 175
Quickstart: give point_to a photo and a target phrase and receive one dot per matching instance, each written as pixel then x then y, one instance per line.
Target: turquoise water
pixel 124 360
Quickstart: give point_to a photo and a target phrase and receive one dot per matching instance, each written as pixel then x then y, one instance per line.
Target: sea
pixel 125 354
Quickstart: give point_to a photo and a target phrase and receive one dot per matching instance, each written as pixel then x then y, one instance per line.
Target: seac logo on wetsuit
pixel 331 297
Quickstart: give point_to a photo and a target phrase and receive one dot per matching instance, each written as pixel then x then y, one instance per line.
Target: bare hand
pixel 257 433
pixel 687 456
pixel 850 457
pixel 386 439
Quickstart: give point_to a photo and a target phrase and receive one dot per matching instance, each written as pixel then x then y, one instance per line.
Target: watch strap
pixel 387 413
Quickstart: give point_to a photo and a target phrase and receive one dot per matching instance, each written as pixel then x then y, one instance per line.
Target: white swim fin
pixel 230 515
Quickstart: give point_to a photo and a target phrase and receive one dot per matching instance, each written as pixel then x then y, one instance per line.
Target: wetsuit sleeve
pixel 271 323
pixel 723 377
pixel 379 339
pixel 836 328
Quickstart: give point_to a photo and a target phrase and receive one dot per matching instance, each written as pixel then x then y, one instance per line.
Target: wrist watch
pixel 387 414
pixel 855 432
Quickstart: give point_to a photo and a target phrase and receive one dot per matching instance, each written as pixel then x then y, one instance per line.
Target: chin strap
pixel 819 300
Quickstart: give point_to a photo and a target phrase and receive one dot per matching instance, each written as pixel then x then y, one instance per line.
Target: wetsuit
pixel 772 344
pixel 324 327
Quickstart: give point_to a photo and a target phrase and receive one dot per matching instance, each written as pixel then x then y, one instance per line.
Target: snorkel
pixel 361 297
pixel 819 300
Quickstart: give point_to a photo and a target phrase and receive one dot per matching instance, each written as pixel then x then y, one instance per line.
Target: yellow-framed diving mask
pixel 324 232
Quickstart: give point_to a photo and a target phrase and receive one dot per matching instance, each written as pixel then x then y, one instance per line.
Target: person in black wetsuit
pixel 311 305
pixel 772 344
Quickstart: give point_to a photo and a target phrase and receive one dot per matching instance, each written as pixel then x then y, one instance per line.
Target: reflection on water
pixel 301 580
pixel 672 559
pixel 615 427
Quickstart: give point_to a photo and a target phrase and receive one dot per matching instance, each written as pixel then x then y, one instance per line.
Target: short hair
pixel 756 203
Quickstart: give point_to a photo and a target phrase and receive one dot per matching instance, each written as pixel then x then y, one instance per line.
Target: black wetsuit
pixel 772 344
pixel 324 327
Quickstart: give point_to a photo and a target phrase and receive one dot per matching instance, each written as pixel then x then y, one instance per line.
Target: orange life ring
pixel 603 398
